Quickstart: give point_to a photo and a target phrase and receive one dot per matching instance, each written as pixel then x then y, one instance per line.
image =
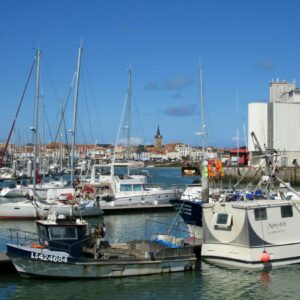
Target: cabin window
pixel 223 220
pixel 137 187
pixel 286 211
pixel 125 188
pixel 260 213
pixel 42 231
pixel 63 233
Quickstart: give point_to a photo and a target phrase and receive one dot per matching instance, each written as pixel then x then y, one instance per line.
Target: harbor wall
pixel 287 174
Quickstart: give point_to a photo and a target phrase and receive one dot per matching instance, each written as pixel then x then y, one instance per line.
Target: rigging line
pixel 17 113
pixel 96 107
pixel 87 108
pixel 82 131
pixel 48 125
pixel 47 69
pixel 139 117
pixel 119 130
pixel 66 104
pixel 93 100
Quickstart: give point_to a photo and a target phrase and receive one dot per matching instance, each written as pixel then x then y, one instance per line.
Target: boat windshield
pixel 63 233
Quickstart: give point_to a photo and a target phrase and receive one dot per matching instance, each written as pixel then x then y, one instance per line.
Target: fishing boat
pixel 70 248
pixel 257 230
pixel 189 207
pixel 190 169
pixel 259 234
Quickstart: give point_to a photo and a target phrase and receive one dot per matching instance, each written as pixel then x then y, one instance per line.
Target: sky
pixel 241 46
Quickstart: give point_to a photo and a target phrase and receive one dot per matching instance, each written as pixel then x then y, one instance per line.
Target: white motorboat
pixel 116 189
pixel 130 192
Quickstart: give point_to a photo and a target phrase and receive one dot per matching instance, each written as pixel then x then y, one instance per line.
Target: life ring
pixel 38 246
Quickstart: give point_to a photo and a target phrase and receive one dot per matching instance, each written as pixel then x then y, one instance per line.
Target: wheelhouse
pixel 63 235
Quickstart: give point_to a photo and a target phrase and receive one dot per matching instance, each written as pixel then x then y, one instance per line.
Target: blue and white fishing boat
pixel 189 207
pixel 70 248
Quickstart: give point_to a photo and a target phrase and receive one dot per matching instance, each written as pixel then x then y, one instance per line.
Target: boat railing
pixel 24 237
pixel 174 252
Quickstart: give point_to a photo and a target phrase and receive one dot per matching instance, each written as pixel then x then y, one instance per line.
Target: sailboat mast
pixel 75 111
pixel 202 131
pixel 36 117
pixel 128 114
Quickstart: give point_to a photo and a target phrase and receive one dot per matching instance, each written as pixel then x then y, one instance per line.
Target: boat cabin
pixel 63 235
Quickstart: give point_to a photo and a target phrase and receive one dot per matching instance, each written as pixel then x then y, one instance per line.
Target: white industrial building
pixel 276 124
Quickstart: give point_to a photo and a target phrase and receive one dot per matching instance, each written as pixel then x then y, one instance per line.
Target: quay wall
pixel 287 174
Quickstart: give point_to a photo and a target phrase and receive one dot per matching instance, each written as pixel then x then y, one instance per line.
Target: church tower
pixel 158 139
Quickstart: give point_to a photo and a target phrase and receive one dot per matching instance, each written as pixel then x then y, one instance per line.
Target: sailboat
pixel 192 168
pixel 190 204
pixel 127 190
pixel 34 207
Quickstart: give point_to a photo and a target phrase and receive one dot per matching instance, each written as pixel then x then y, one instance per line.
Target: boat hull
pixel 26 210
pixel 250 258
pixel 35 264
pixel 189 210
pixel 15 192
pixel 144 198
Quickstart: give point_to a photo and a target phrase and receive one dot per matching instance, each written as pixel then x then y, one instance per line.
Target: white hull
pixel 25 210
pixel 238 257
pixel 195 231
pixel 142 198
pixel 15 192
pixel 54 187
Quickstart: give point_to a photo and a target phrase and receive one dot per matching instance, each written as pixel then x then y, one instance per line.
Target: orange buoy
pixel 265 257
pixel 38 246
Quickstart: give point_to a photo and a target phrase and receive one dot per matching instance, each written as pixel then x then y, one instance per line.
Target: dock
pixel 136 207
pixel 197 245
pixel 6 265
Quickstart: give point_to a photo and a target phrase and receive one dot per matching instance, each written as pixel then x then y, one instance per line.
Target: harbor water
pixel 207 281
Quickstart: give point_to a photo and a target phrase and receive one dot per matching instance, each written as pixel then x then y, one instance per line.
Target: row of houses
pixel 167 152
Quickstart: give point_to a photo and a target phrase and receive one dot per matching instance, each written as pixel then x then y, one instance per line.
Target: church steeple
pixel 158 139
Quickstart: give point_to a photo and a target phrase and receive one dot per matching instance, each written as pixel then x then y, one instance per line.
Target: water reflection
pixel 245 284
pixel 122 228
pixel 208 281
